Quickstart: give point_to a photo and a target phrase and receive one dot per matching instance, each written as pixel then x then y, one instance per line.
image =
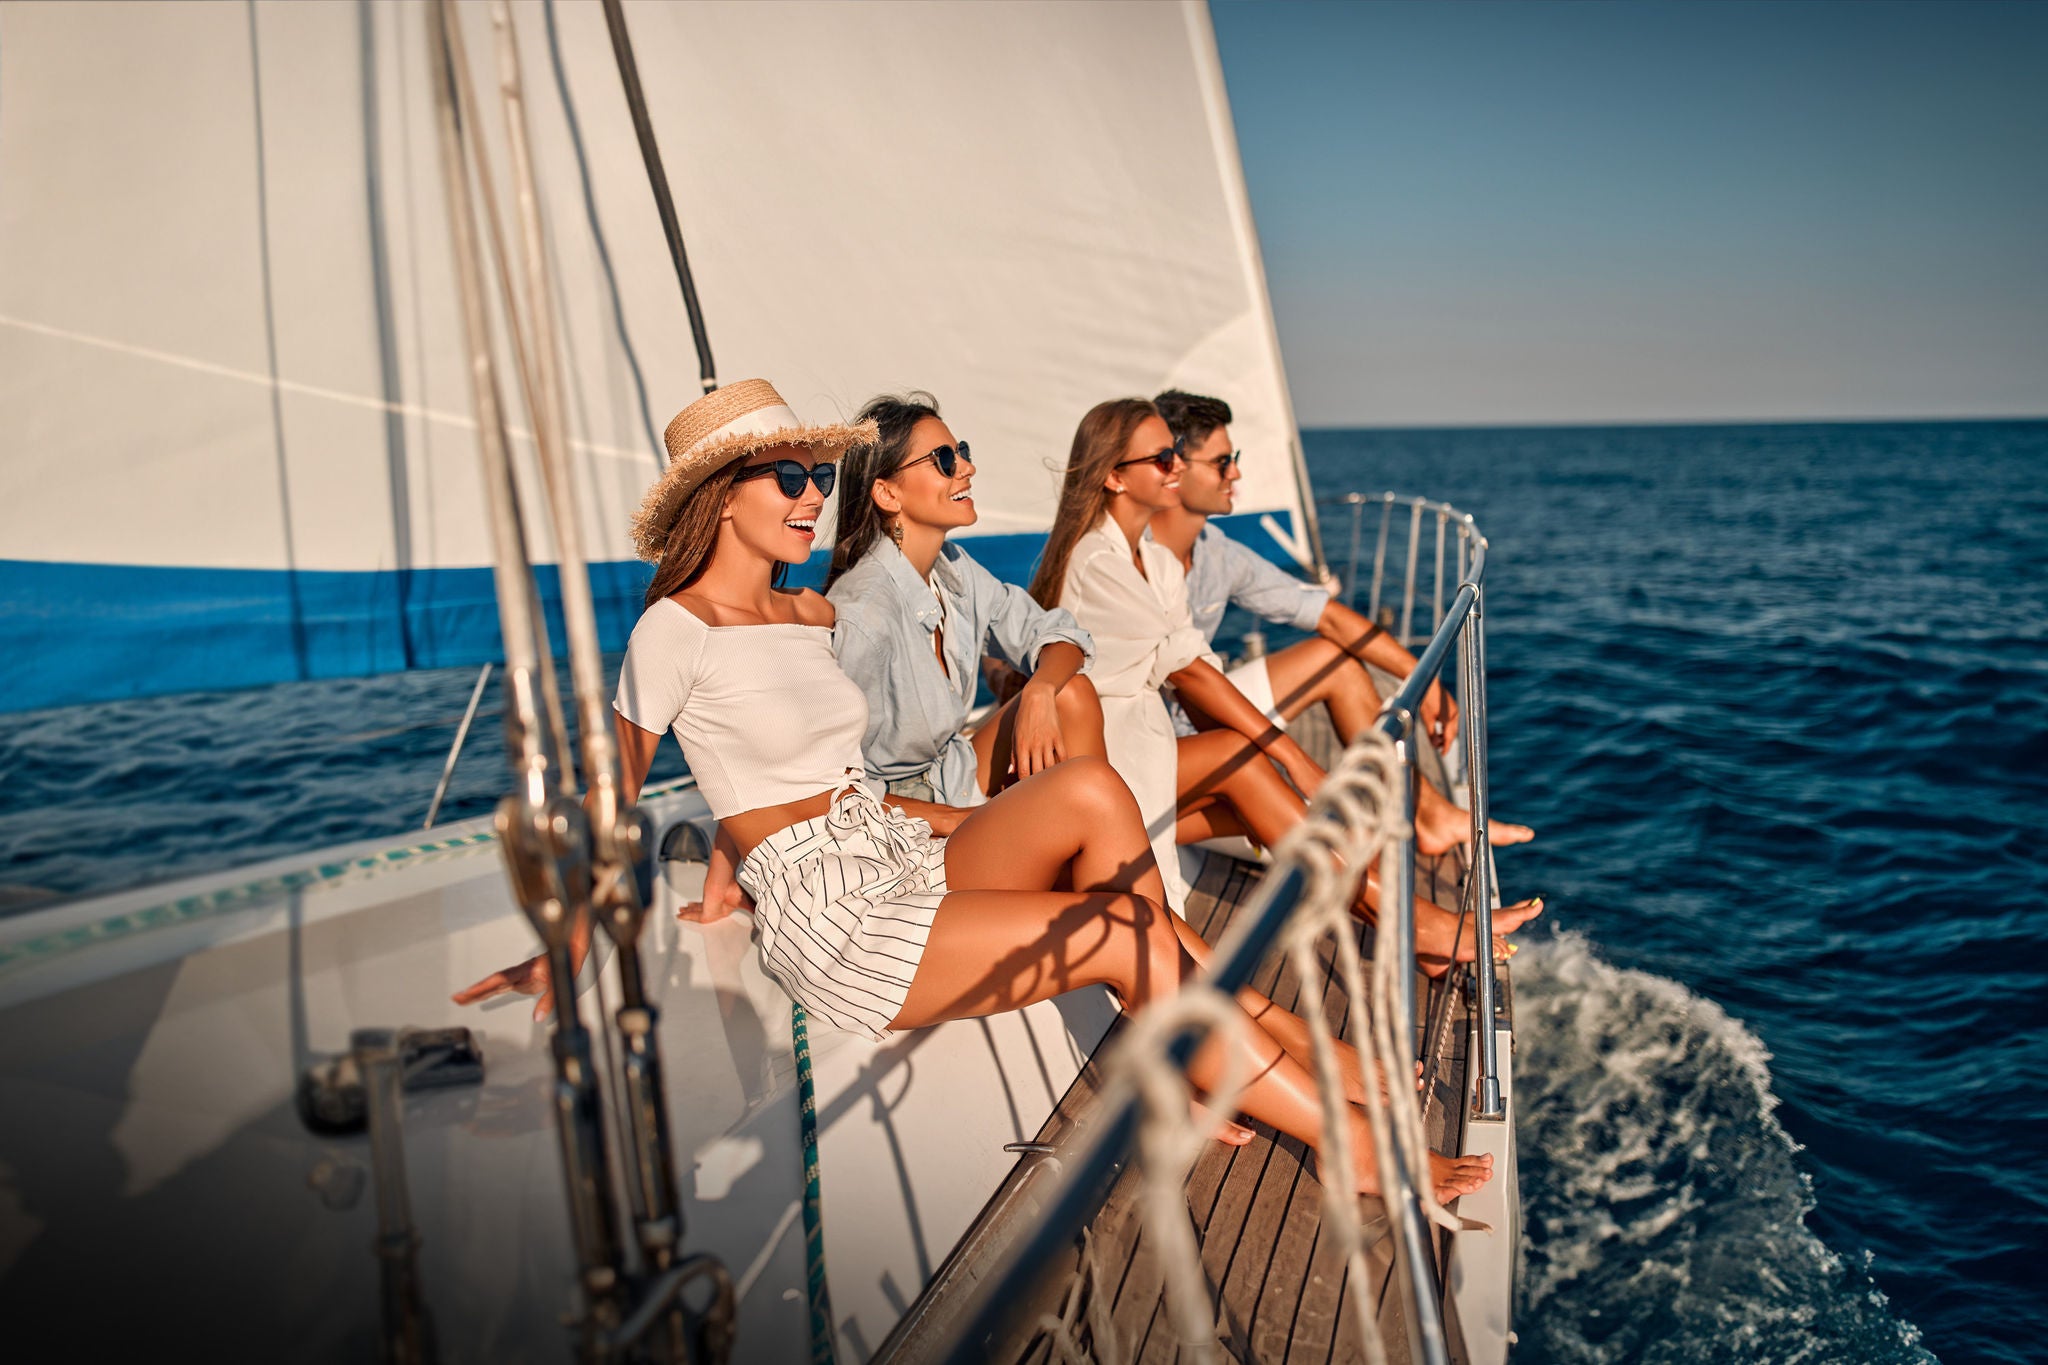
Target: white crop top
pixel 764 714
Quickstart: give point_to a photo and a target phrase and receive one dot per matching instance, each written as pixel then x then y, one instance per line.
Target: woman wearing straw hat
pixel 1129 593
pixel 863 912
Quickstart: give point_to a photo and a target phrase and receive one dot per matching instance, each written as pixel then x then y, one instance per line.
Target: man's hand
pixel 1439 716
pixel 1035 739
pixel 528 978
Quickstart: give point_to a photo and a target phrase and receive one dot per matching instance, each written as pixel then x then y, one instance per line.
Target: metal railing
pixel 1088 1173
pixel 1436 524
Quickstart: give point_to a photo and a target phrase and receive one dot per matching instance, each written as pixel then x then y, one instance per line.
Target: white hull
pixel 151 1155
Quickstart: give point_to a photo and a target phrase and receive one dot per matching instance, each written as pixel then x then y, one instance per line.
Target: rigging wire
pixel 657 181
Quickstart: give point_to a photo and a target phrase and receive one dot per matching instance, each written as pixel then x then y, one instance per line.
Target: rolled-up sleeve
pixel 1268 591
pixel 1019 627
pixel 1138 645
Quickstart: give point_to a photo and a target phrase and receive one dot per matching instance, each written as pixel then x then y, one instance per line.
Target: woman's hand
pixel 531 977
pixel 1036 742
pixel 1439 716
pixel 528 978
pixel 943 819
pixel 718 903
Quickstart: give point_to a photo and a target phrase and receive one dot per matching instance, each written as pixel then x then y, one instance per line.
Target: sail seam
pixel 294 386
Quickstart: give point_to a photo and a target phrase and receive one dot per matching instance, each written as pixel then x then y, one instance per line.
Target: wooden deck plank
pixel 1268 1229
pixel 1274 1279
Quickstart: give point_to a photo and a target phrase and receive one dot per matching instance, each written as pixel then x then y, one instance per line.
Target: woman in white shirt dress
pixel 878 913
pixel 1130 594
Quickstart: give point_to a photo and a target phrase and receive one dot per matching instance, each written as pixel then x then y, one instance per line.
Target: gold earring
pixel 896 531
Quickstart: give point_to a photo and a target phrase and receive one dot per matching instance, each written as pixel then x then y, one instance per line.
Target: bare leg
pixel 991 951
pixel 1437 929
pixel 1080 726
pixel 1222 766
pixel 1318 670
pixel 1084 833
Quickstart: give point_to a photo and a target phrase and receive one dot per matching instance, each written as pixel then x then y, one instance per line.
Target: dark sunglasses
pixel 1225 462
pixel 1165 459
pixel 946 458
pixel 791 477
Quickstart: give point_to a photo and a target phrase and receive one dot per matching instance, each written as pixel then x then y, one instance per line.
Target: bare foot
pixel 1441 826
pixel 1450 1176
pixel 1456 1175
pixel 1437 928
pixel 1231 1134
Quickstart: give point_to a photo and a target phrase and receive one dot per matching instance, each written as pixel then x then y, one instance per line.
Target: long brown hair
pixel 860 520
pixel 691 540
pixel 1099 442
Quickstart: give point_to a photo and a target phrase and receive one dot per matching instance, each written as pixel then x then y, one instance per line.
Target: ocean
pixel 1776 699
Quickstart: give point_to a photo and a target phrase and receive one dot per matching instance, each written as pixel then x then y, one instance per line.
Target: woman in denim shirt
pixel 916 615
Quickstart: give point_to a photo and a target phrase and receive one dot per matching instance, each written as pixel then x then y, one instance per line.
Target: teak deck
pixel 1277 1288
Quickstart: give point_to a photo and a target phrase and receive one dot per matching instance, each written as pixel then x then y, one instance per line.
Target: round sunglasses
pixel 1164 459
pixel 791 476
pixel 1224 463
pixel 946 458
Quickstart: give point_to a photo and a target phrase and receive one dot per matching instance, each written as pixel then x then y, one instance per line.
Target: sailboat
pixel 242 450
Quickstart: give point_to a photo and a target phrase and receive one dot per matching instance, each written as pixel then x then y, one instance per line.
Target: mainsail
pixel 232 376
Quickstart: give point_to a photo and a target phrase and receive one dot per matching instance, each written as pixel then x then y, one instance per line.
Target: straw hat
pixel 725 425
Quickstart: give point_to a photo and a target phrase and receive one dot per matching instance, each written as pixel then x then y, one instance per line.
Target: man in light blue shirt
pixel 1331 668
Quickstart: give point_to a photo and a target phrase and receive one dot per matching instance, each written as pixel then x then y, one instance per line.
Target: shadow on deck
pixel 1277 1287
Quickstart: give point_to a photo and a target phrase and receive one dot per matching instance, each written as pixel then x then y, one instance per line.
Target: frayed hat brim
pixel 664 501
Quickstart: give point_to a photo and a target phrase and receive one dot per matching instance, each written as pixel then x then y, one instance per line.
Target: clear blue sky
pixel 1580 212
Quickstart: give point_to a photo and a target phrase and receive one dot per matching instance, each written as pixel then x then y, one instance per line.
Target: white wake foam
pixel 1664 1214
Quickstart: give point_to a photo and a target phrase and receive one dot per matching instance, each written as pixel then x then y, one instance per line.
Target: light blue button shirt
pixel 916 709
pixel 1226 571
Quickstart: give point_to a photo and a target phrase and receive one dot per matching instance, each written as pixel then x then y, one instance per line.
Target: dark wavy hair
pixel 860 521
pixel 1191 415
pixel 1099 442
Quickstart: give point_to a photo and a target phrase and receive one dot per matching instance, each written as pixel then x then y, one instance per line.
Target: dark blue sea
pixel 1776 698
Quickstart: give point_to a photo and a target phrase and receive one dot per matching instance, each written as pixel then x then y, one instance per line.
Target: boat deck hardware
pixel 333 1100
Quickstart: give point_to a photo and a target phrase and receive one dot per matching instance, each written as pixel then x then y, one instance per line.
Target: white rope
pixel 1355 814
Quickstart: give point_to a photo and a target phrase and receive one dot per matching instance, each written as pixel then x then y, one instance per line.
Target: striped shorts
pixel 842 906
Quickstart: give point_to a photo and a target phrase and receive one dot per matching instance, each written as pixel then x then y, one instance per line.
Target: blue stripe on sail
pixel 74 633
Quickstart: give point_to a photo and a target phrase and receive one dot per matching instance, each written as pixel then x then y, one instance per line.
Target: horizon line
pixel 1620 424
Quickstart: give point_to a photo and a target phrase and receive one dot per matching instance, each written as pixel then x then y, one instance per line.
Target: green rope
pixel 814 1212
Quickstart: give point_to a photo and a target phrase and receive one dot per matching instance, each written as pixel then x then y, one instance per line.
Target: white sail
pixel 231 372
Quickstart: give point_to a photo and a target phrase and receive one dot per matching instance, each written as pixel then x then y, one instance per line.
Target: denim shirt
pixel 917 710
pixel 1225 571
